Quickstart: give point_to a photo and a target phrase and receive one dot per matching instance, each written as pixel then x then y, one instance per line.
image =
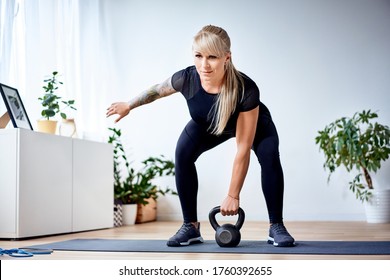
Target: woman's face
pixel 211 68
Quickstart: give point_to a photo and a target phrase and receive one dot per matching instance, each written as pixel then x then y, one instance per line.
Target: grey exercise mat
pixel 210 246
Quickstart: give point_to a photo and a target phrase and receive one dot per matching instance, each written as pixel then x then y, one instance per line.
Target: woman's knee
pixel 267 151
pixel 185 151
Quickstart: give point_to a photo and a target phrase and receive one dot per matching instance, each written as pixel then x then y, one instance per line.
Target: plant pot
pixel 47 126
pixel 147 213
pixel 378 207
pixel 67 127
pixel 129 214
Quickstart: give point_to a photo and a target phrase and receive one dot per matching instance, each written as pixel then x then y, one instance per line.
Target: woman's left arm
pixel 245 134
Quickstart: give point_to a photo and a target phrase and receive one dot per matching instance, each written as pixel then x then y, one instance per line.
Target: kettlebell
pixel 227 235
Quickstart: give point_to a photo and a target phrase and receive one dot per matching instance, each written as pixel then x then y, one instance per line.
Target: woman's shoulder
pixel 190 70
pixel 184 74
pixel 186 81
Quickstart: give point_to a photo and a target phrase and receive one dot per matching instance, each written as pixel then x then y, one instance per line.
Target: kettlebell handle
pixel 217 209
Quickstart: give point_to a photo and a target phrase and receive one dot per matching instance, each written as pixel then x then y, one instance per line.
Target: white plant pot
pixel 129 214
pixel 67 127
pixel 378 207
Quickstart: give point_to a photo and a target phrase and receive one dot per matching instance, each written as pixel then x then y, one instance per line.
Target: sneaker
pixel 279 236
pixel 186 235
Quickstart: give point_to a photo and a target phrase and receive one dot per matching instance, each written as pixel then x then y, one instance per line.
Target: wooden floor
pixel 347 231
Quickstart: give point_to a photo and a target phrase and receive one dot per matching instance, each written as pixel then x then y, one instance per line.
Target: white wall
pixel 314 61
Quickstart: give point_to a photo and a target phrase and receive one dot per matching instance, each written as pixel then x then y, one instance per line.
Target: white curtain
pixel 7 10
pixel 68 36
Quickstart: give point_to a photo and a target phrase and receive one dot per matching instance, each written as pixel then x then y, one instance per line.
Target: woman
pixel 223 103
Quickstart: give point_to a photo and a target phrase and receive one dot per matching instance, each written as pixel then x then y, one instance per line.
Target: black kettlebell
pixel 227 235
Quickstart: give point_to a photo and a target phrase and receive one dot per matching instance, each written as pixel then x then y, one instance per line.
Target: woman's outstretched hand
pixel 118 108
pixel 229 206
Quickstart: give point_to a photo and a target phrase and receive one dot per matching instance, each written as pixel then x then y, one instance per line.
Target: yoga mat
pixel 210 246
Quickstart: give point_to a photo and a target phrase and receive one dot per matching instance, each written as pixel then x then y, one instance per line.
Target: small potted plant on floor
pixel 50 102
pixel 360 145
pixel 136 189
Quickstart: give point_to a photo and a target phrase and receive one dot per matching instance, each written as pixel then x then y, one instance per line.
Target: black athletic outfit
pixel 196 139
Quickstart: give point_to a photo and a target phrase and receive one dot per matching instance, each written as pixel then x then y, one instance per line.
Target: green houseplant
pixel 50 102
pixel 359 144
pixel 137 187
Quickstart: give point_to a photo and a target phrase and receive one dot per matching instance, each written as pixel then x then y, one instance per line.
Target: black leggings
pixel 194 140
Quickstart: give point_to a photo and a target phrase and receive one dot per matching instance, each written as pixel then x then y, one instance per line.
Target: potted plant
pixel 137 188
pixel 153 167
pixel 50 102
pixel 360 145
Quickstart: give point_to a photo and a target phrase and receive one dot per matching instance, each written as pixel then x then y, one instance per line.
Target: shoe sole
pixel 283 244
pixel 189 242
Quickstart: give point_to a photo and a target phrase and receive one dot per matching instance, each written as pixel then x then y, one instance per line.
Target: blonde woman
pixel 223 103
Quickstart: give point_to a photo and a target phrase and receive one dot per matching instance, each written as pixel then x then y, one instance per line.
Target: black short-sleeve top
pixel 201 104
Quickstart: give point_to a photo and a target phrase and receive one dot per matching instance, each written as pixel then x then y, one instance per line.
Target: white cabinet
pixel 51 184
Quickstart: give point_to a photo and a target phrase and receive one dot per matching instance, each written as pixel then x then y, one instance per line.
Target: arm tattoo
pixel 153 93
pixel 148 96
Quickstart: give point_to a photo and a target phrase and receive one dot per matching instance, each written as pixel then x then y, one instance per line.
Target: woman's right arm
pixel 153 93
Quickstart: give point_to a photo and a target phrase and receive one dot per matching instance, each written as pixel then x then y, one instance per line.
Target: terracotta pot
pixel 147 213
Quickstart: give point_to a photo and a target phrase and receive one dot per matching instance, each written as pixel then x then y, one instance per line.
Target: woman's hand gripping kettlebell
pixel 230 205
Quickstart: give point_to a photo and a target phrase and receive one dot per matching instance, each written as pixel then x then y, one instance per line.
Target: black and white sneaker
pixel 279 236
pixel 186 235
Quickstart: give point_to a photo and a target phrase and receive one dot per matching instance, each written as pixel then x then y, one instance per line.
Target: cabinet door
pixel 92 185
pixel 45 184
pixel 8 140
